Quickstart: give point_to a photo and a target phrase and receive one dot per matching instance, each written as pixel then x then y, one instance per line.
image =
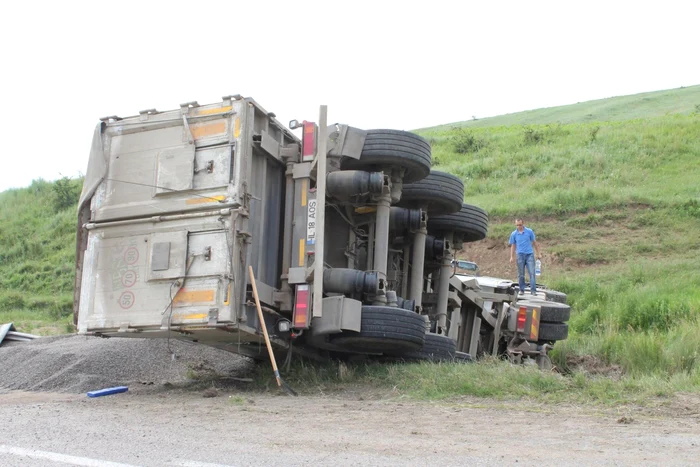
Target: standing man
pixel 521 242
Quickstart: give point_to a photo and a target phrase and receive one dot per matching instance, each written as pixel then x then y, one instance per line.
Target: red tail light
pixel 522 318
pixel 309 141
pixel 300 317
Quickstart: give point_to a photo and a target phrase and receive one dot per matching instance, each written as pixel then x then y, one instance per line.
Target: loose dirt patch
pixel 593 366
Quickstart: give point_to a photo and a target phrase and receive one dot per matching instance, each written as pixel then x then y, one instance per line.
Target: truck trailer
pixel 351 234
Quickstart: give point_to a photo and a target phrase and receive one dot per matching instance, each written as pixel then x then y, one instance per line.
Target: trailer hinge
pixel 110 119
pixel 143 114
pixel 246 236
pixel 228 99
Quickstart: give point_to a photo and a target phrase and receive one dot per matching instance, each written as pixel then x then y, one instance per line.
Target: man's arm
pixel 537 248
pixel 512 252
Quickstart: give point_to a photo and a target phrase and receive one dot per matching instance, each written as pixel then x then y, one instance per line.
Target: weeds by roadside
pixel 491 378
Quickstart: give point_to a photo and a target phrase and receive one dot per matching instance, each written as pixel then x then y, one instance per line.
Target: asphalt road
pixel 174 428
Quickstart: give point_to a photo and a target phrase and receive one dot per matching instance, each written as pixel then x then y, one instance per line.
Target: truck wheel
pixel 385 149
pixel 441 192
pixel 554 296
pixel 553 331
pixel 436 348
pixel 553 312
pixel 470 222
pixel 384 329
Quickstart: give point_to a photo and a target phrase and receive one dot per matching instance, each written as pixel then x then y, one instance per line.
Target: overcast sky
pixel 376 64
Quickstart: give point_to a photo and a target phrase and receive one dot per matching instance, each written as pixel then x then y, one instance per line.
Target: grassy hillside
pixel 37 255
pixel 616 205
pixel 649 104
pixel 559 169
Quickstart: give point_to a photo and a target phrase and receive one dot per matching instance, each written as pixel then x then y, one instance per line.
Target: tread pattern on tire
pixel 441 192
pixel 556 296
pixel 393 148
pixel 384 329
pixel 436 348
pixel 471 222
pixel 554 312
pixel 553 331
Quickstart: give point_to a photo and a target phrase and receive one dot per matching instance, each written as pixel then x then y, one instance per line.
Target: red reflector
pixel 308 150
pixel 522 318
pixel 300 317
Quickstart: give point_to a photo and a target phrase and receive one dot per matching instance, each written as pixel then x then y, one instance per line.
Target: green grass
pixel 491 378
pixel 37 253
pixel 642 162
pixel 37 321
pixel 644 317
pixel 685 100
pixel 611 189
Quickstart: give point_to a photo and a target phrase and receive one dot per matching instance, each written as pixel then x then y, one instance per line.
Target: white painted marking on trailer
pixel 57 457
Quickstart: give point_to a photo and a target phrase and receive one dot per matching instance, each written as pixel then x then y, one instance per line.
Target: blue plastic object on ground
pixel 108 391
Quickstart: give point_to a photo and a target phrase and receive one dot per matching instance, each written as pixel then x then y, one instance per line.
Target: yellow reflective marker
pixel 303 192
pixel 206 199
pixel 211 129
pixel 302 246
pixel 195 316
pixel 193 296
pixel 535 326
pixel 228 294
pixel 237 127
pixel 217 110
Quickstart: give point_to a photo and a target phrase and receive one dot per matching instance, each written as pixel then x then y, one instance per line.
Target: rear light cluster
pixel 300 317
pixel 522 318
pixel 308 149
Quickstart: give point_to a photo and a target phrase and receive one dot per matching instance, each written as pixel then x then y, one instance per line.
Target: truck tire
pixel 384 329
pixel 553 312
pixel 437 348
pixel 441 192
pixel 554 296
pixel 470 223
pixel 553 331
pixel 384 149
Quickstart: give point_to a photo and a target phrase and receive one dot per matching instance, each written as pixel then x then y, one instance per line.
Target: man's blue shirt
pixel 523 241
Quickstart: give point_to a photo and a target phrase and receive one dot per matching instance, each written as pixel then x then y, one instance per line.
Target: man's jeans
pixel 526 259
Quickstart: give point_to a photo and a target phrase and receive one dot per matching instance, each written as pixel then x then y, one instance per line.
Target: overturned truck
pixel 351 235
